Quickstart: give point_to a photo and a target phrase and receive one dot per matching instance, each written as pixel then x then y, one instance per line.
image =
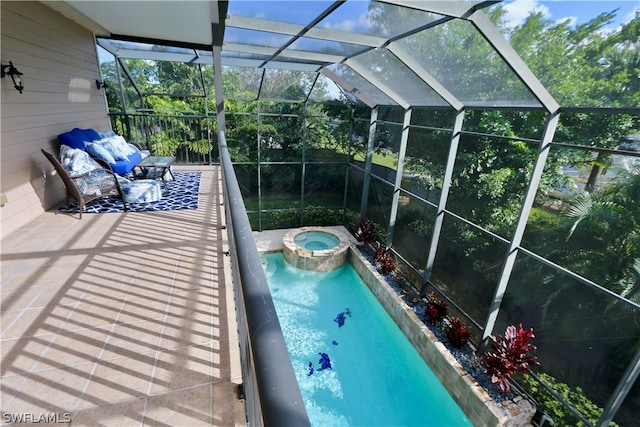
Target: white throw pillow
pixel 97 150
pixel 76 161
pixel 116 146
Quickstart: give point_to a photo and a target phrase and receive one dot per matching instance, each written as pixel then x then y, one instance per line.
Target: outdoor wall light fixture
pixel 16 76
pixel 100 84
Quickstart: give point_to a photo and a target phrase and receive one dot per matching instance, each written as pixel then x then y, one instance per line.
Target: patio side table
pixel 154 167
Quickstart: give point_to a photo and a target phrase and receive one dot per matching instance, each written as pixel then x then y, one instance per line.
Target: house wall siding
pixel 60 65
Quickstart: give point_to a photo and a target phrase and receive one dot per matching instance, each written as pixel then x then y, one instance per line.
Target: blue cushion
pixel 91 134
pixel 123 167
pixel 74 138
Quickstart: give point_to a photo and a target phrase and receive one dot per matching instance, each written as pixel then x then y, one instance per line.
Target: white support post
pixel 446 186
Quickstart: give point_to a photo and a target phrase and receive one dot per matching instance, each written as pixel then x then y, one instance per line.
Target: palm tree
pixel 606 224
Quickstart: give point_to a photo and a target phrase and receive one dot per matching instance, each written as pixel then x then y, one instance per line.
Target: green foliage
pixel 200 146
pixel 285 218
pixel 420 228
pixel 597 235
pixel 321 216
pixel 581 65
pixel 560 414
pixel 313 215
pixel 163 145
pixel 607 223
pixel 547 222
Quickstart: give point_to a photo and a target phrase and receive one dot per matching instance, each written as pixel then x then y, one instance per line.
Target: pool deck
pixel 122 319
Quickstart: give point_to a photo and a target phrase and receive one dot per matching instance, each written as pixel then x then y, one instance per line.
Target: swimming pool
pixel 354 366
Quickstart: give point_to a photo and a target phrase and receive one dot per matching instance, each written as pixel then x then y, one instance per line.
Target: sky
pixel 578 11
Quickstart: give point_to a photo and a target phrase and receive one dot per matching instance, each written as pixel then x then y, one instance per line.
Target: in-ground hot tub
pixel 315 248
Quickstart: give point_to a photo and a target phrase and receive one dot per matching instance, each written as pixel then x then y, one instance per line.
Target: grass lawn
pixel 386 160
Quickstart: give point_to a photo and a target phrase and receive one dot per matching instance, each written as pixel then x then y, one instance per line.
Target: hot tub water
pixel 316 240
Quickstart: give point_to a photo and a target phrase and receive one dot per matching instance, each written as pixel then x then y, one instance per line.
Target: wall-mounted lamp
pixel 16 76
pixel 100 84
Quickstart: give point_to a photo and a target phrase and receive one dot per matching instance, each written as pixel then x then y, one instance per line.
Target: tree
pixel 585 66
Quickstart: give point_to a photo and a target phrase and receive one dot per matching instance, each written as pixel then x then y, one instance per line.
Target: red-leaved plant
pixel 436 309
pixel 457 333
pixel 365 232
pixel 509 354
pixel 384 261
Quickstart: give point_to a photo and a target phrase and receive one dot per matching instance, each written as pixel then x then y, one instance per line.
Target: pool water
pixel 316 240
pixel 354 366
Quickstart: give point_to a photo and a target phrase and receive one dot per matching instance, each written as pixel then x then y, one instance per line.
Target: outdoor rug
pixel 179 195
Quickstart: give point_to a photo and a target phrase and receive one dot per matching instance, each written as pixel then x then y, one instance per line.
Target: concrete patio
pixel 121 319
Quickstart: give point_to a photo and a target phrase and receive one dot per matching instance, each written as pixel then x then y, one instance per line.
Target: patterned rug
pixel 179 195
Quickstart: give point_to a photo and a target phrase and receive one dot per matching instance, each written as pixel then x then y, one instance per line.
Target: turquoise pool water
pixel 376 377
pixel 316 240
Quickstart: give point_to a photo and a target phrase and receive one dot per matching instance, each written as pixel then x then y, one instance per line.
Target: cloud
pixel 518 10
pixel 629 16
pixel 350 25
pixel 573 20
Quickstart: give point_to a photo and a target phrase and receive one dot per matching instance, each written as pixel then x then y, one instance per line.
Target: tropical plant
pixel 436 309
pixel 366 232
pixel 457 332
pixel 384 261
pixel 509 354
pixel 605 225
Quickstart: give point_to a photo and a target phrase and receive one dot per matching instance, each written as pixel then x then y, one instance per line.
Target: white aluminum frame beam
pixel 444 196
pixel 383 87
pixel 277 27
pixel 452 8
pixel 397 185
pixel 513 60
pixel 348 87
pixel 516 238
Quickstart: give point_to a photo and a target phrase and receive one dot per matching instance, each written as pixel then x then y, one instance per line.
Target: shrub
pixel 365 233
pixel 320 215
pixel 457 333
pixel 509 354
pixel 285 218
pixel 384 261
pixel 436 309
pixel 560 414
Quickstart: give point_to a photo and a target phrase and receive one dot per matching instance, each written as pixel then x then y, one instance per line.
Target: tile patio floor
pixel 121 319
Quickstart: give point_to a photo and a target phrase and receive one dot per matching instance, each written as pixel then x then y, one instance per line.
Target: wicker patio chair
pixel 87 186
